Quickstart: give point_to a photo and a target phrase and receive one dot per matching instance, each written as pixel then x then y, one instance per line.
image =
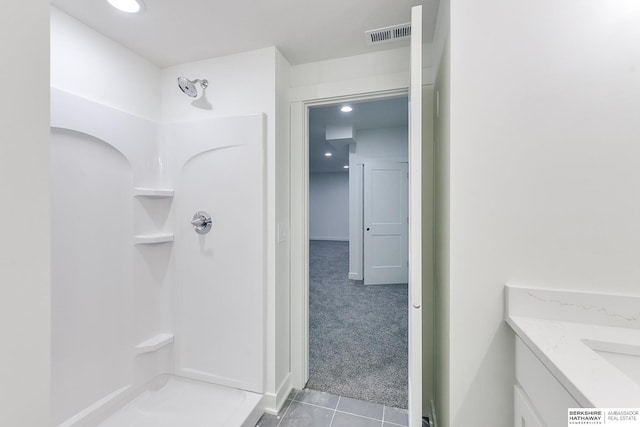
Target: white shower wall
pixel 87 64
pixel 107 295
pixel 247 83
pixel 122 314
pixel 219 306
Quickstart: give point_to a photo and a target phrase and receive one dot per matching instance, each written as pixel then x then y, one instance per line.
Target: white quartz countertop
pixel 564 348
pixel 542 318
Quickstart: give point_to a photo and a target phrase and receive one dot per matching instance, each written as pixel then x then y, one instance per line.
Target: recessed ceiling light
pixel 346 166
pixel 346 109
pixel 129 6
pixel 328 154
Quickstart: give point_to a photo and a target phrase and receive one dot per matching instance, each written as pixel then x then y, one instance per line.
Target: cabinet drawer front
pixel 548 396
pixel 525 415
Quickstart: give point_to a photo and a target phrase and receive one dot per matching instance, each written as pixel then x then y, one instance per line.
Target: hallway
pixel 357 333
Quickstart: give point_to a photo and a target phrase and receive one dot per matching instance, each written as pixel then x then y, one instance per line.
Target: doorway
pixel 421 349
pixel 358 249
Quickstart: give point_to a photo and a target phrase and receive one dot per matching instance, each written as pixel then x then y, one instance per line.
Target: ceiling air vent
pixel 388 34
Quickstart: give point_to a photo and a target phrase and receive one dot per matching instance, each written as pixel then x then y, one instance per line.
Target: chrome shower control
pixel 201 222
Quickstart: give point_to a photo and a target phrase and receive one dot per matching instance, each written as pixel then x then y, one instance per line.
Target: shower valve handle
pixel 201 222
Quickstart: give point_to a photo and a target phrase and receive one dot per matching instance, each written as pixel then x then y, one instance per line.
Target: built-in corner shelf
pixel 154 343
pixel 154 193
pixel 152 211
pixel 152 239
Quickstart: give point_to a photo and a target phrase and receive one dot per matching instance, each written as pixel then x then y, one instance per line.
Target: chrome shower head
pixel 189 86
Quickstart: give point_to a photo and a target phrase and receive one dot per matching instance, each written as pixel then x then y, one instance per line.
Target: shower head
pixel 189 86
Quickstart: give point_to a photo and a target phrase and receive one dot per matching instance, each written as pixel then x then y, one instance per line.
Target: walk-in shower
pixel 154 324
pixel 189 86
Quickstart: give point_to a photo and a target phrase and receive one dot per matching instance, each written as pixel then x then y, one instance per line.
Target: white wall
pixel 441 144
pixel 441 238
pixel 382 142
pixel 429 370
pixel 243 83
pixel 24 183
pixel 88 64
pixel 371 72
pixel 329 206
pixel 544 173
pixel 283 286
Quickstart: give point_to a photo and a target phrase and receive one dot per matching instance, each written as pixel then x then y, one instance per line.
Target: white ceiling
pixel 170 32
pixel 365 115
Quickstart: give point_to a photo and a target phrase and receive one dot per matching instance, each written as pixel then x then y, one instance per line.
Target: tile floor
pixel 311 408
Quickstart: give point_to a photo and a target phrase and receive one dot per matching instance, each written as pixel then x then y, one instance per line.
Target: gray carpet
pixel 357 333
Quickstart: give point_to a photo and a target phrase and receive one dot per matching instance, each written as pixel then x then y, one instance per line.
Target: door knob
pixel 367 228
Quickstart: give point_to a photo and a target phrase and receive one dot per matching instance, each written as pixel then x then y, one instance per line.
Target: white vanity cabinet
pixel 540 399
pixel 524 413
pixel 562 342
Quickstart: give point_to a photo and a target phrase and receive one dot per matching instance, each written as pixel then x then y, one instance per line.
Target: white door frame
pixel 299 232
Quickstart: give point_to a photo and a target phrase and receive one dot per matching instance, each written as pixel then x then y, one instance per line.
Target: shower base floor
pixel 183 402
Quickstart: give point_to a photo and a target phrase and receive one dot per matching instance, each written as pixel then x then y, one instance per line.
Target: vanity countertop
pixel 581 337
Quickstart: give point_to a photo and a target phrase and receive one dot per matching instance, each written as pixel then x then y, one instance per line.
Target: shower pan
pixel 183 402
pixel 154 324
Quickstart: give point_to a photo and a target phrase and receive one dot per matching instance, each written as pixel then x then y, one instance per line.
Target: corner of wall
pixel 273 402
pixel 441 34
pixel 282 224
pixel 88 64
pixel 25 255
pixel 442 215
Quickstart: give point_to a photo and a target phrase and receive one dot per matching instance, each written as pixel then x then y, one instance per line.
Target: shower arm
pixel 204 82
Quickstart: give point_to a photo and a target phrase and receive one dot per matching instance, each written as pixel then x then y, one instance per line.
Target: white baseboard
pixel 355 276
pixel 273 402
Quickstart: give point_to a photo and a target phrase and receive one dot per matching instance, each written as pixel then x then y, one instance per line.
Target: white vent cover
pixel 388 34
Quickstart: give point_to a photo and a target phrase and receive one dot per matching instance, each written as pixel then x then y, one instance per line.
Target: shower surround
pixel 143 307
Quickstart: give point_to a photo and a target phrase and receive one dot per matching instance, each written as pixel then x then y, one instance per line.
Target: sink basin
pixel 625 357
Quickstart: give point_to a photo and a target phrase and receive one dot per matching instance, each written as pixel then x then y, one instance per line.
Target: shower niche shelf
pixel 154 343
pixel 152 215
pixel 152 239
pixel 154 193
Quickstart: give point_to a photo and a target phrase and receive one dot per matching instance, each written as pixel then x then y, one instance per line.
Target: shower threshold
pixel 188 403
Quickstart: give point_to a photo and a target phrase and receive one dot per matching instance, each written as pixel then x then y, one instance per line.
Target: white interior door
pixel 385 223
pixel 415 221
